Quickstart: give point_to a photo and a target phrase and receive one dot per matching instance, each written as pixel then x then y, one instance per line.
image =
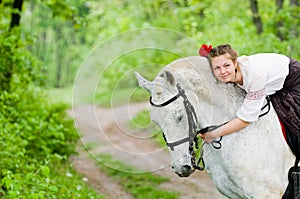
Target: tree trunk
pixel 295 2
pixel 15 21
pixel 279 4
pixel 256 17
pixel 294 29
pixel 279 24
pixel 15 16
pixel 58 57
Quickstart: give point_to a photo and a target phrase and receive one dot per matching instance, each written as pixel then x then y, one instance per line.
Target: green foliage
pixel 60 8
pixel 36 136
pixel 36 140
pixel 141 119
pixel 231 22
pixel 15 60
pixel 116 78
pixel 52 179
pixel 66 30
pixel 140 185
pixel 57 28
pixel 37 123
pixel 31 132
pixel 63 30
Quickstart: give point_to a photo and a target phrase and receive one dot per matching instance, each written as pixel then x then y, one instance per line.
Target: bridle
pixel 194 130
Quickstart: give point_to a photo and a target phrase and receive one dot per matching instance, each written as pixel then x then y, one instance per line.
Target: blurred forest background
pixel 43 44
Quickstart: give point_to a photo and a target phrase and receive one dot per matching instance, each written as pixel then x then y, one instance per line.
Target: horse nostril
pixel 187 167
pixel 186 171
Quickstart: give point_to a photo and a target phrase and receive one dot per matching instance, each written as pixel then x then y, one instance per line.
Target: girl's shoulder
pixel 243 62
pixel 268 56
pixel 243 58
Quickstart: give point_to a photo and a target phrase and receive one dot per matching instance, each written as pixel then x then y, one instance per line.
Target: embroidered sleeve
pixel 255 95
pixel 254 100
pixel 251 107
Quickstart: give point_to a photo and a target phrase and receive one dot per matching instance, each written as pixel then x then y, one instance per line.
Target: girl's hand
pixel 210 136
pixel 231 127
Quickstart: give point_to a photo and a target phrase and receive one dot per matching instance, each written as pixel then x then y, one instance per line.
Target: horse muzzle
pixel 184 171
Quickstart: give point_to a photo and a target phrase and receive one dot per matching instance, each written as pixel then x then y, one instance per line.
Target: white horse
pixel 252 163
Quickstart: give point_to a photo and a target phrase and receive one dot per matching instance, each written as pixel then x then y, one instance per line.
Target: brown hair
pixel 221 50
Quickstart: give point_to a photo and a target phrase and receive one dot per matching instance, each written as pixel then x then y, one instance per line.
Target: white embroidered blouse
pixel 263 74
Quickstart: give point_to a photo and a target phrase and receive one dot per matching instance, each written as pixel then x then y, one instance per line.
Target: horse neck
pixel 205 86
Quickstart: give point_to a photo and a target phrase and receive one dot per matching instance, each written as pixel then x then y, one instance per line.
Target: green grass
pixel 67 179
pixel 140 185
pixel 142 122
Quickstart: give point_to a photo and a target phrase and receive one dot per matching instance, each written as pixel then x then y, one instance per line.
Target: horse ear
pixel 169 77
pixel 144 83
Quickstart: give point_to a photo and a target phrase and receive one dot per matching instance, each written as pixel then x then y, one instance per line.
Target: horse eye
pixel 179 118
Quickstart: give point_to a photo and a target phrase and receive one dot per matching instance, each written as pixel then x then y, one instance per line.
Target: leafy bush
pixel 36 136
pixel 14 60
pixel 31 132
pixel 49 180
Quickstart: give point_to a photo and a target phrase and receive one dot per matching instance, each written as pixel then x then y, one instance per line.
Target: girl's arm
pixel 231 127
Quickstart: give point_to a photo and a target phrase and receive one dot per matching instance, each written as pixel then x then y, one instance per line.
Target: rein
pixel 193 128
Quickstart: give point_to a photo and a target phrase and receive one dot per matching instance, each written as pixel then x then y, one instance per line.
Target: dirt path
pixel 108 131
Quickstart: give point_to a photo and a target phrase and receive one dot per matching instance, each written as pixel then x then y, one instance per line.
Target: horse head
pixel 171 100
pixel 171 118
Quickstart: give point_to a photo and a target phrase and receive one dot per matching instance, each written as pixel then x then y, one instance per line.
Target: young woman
pixel 260 75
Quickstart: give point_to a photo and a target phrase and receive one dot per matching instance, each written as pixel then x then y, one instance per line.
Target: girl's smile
pixel 225 69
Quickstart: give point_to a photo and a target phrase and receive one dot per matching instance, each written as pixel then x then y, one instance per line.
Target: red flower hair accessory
pixel 204 50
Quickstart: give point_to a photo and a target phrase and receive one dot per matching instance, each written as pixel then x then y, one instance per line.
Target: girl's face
pixel 224 68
